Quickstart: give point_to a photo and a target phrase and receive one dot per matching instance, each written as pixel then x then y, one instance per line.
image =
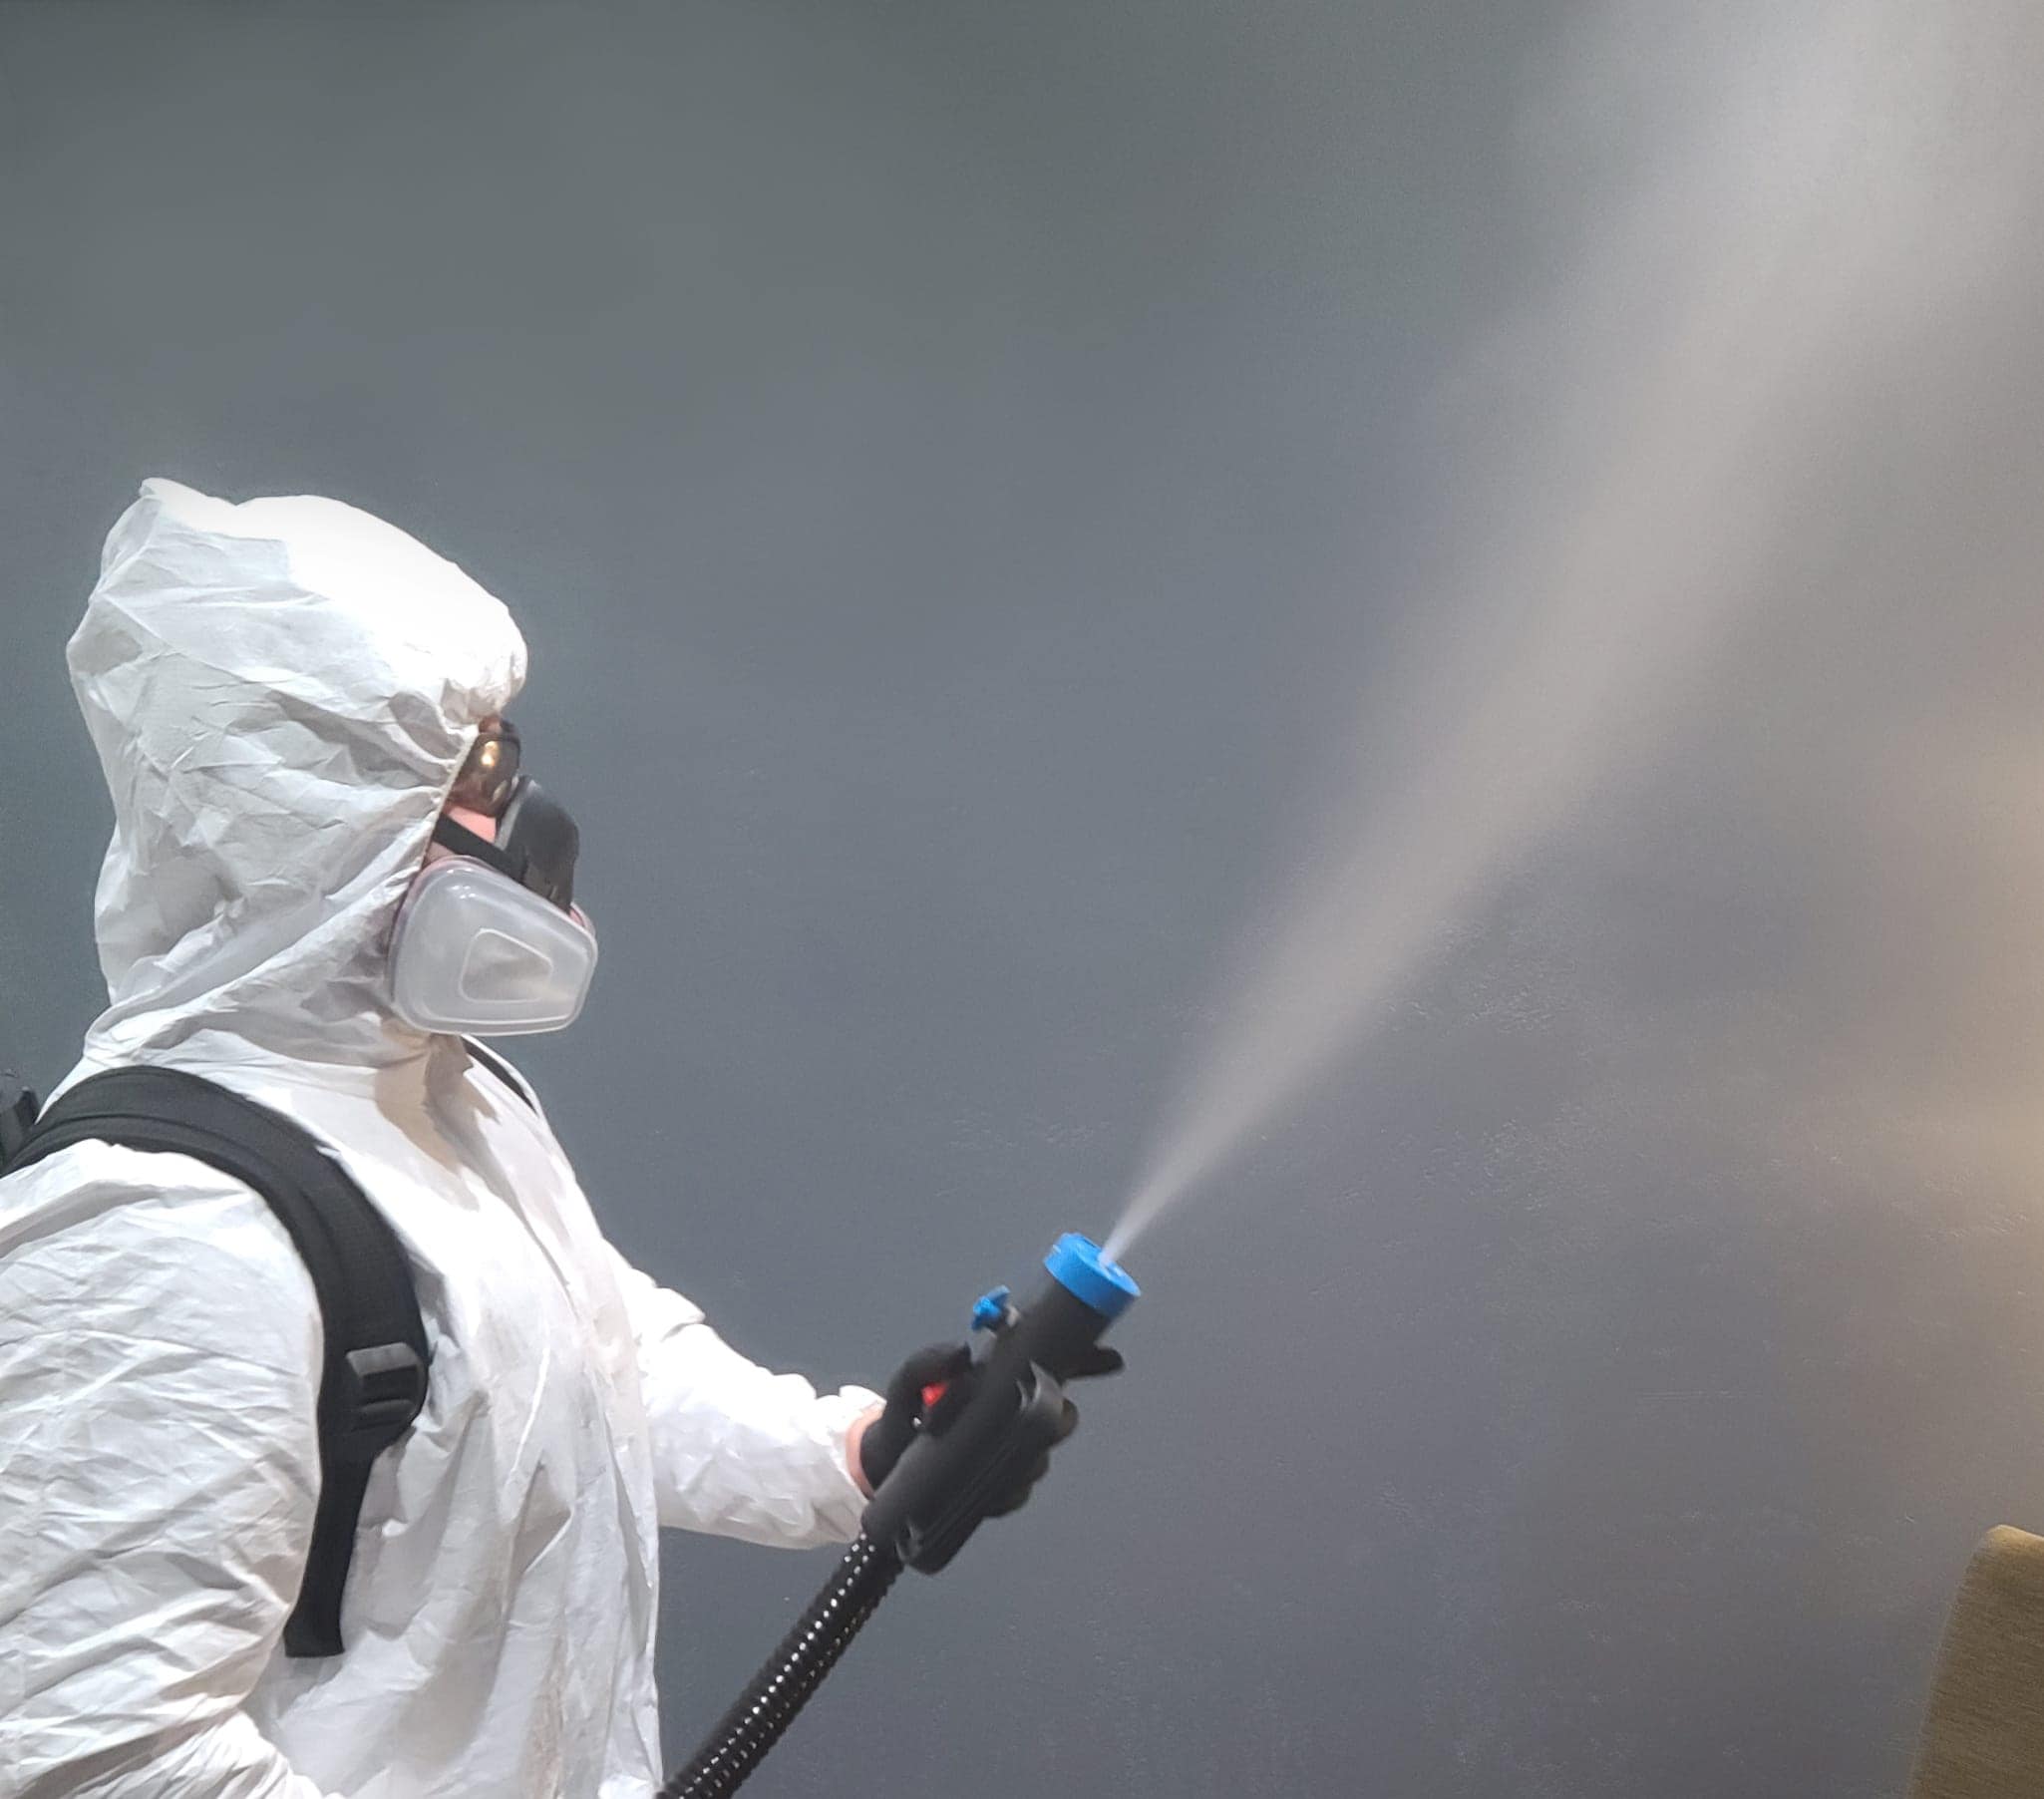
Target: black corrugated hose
pixel 744 1733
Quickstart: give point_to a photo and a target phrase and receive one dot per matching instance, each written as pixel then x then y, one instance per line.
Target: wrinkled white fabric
pixel 281 694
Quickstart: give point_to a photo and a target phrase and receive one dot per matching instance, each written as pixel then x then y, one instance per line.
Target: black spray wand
pixel 970 1452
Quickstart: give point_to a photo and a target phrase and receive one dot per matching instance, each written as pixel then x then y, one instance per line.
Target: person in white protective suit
pixel 284 695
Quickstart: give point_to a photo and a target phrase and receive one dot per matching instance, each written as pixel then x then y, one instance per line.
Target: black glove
pixel 949 1365
pixel 895 1429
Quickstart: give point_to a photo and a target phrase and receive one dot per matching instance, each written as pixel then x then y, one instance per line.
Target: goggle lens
pixel 491 774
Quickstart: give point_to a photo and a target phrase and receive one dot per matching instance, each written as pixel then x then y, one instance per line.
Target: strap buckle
pixel 18 1109
pixel 382 1389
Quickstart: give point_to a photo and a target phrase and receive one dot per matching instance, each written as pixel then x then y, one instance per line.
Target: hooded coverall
pixel 281 694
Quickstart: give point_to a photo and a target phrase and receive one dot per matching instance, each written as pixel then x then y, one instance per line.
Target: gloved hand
pixel 949 1365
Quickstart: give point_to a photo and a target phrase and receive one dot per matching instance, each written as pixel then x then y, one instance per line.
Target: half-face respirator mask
pixel 490 942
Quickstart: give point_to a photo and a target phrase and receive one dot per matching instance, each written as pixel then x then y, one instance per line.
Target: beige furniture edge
pixel 1983 1734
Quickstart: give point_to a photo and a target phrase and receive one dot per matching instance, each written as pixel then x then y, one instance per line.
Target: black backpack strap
pixel 373 1382
pixel 17 1108
pixel 505 1072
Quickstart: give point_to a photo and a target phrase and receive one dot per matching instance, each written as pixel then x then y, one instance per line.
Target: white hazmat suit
pixel 281 694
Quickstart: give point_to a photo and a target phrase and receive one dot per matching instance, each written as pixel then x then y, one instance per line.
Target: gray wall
pixel 959 468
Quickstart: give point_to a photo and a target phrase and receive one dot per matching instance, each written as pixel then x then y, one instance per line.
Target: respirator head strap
pixel 463 841
pixel 536 843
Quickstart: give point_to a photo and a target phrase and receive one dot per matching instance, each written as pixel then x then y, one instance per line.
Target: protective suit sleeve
pixel 737 1450
pixel 160 1348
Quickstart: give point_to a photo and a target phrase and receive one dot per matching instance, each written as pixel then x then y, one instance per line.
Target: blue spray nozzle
pixel 1076 1263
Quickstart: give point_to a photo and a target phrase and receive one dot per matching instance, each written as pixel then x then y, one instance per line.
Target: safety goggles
pixel 536 841
pixel 489 775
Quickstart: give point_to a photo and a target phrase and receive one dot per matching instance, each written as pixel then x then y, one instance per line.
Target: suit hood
pixel 281 692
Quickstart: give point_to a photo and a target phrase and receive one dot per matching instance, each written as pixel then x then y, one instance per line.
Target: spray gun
pixel 978 1438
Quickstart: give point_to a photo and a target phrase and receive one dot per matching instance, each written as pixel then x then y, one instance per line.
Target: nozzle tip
pixel 1077 1264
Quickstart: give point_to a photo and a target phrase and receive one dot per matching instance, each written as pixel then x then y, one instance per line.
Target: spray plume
pixel 1779 200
